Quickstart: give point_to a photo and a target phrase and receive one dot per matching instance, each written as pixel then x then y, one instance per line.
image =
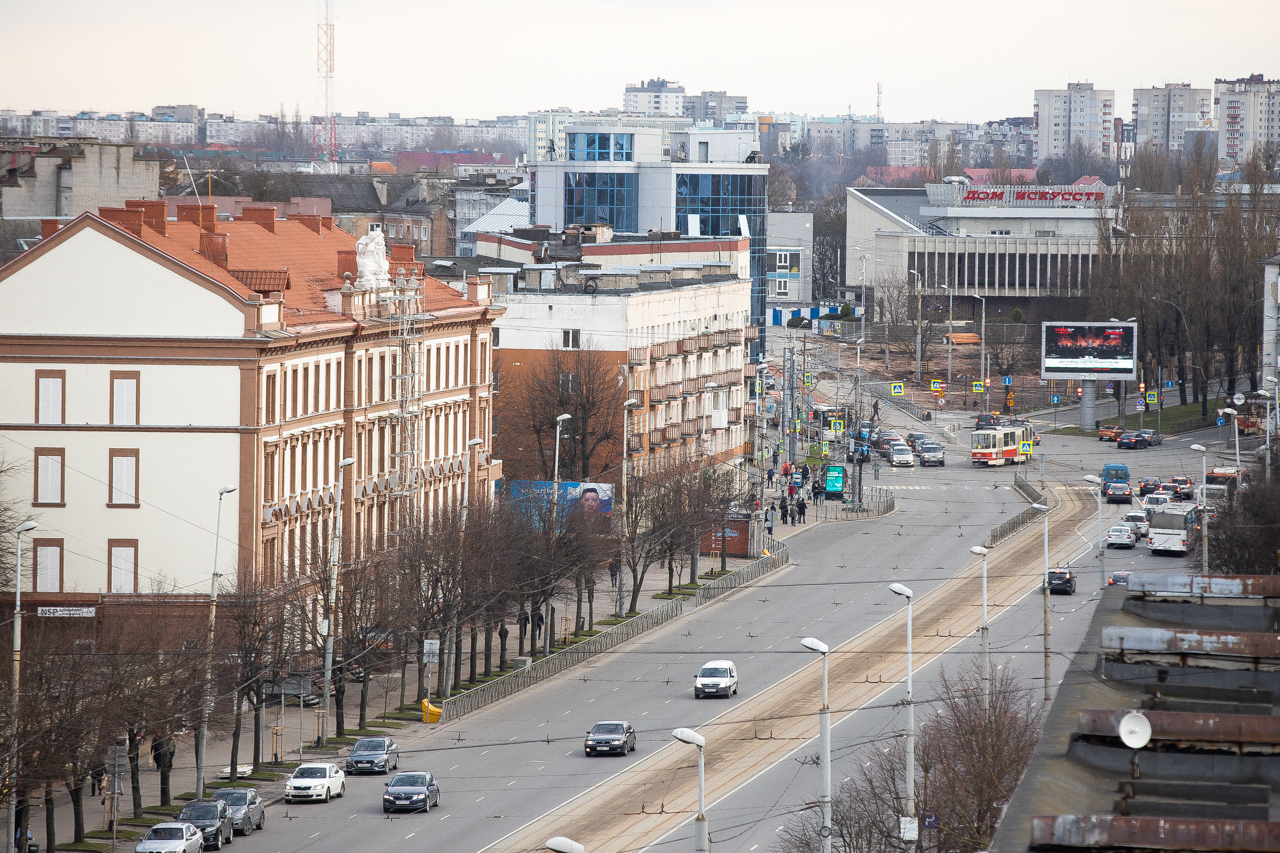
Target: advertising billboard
pixel 1089 351
pixel 588 498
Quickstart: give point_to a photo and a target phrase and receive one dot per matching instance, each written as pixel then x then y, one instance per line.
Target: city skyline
pixel 277 43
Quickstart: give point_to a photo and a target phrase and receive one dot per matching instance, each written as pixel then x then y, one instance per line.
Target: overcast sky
pixel 973 61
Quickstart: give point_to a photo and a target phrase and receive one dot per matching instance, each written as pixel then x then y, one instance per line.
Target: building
pixel 1162 116
pixel 621 178
pixel 191 355
pixel 1247 111
pixel 547 128
pixel 788 260
pixel 1271 323
pixel 656 97
pixel 600 246
pixel 713 107
pixel 1078 113
pixel 67 177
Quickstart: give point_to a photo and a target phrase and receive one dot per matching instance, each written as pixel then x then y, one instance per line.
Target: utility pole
pixel 919 318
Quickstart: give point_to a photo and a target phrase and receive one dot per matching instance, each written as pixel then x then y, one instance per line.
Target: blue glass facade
pixel 594 147
pixel 609 197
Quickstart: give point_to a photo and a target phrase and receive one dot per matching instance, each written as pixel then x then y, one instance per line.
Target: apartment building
pixel 1162 116
pixel 712 107
pixel 66 177
pixel 656 97
pixel 1078 113
pixel 1248 115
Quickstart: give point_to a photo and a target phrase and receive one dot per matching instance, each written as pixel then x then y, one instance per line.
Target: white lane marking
pixel 566 712
pixel 513 781
pixel 509 741
pixel 410 835
pixel 455 767
pixel 667 702
pixel 354 815
pixel 644 713
pixel 589 701
pixel 480 799
pixel 616 689
pixel 315 835
pixel 539 725
pixel 486 752
pixel 446 817
pixel 752 847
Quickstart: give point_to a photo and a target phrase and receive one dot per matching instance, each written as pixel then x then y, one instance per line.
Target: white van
pixel 716 678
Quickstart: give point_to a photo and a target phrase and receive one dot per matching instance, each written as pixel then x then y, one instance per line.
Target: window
pixel 269 404
pixel 572 339
pixel 568 383
pixel 375 226
pixel 123 487
pixel 122 565
pixel 293 394
pixel 125 407
pixel 608 197
pixel 51 400
pixel 781 288
pixel 47 576
pixel 269 478
pixel 50 476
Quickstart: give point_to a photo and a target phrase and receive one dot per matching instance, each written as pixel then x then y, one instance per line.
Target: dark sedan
pixel 1132 441
pixel 415 791
pixel 374 755
pixel 1062 580
pixel 1148 485
pixel 212 818
pixel 611 736
pixel 1118 493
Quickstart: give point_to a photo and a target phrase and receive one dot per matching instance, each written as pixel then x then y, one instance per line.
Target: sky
pixel 975 61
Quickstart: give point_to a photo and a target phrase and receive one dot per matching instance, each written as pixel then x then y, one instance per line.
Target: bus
pixel 1000 445
pixel 1174 529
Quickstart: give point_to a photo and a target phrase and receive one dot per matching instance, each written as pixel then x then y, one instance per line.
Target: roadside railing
pixel 917 412
pixel 1028 491
pixel 1188 425
pixel 1002 532
pixel 777 556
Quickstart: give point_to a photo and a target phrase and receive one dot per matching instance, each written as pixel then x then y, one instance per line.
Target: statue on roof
pixel 371 262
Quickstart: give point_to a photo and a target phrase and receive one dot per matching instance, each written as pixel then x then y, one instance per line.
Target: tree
pixel 254 619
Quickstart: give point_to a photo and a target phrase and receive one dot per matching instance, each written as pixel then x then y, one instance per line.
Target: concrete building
pixel 67 177
pixel 1162 116
pixel 713 107
pixel 1271 323
pixel 788 260
pixel 1078 113
pixel 656 97
pixel 256 353
pixel 1247 111
pixel 547 128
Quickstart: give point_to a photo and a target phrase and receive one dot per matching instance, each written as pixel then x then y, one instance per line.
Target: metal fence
pixel 1003 531
pixel 1027 490
pixel 1189 425
pixel 778 556
pixel 917 412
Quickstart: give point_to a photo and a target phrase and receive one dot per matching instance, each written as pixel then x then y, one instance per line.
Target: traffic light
pixel 1079 392
pixel 1142 387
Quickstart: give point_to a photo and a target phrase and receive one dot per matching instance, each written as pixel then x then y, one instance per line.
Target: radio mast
pixel 324 133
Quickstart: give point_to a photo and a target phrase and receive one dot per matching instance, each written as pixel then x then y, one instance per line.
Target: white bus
pixel 1174 529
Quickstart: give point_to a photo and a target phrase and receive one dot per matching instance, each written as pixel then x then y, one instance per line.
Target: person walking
pixel 804 474
pixel 770 515
pixel 801 506
pixel 775 457
pixel 769 478
pixel 97 775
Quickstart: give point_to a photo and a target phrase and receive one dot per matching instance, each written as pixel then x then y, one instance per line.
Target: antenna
pixel 879 95
pixel 324 134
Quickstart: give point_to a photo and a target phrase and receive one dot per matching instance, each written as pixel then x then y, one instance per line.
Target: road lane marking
pixel 315 835
pixel 446 817
pixel 486 752
pixel 566 712
pixel 455 767
pixel 539 725
pixel 410 835
pixel 511 739
pixel 480 799
pixel 513 781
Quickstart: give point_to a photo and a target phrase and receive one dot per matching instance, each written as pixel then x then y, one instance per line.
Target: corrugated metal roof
pixel 1230 586
pixel 1154 833
pixel 510 213
pixel 1185 725
pixel 1174 641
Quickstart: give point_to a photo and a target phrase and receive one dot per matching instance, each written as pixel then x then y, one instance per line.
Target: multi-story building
pixel 1078 113
pixel 788 260
pixel 114 128
pixel 67 177
pixel 713 107
pixel 205 365
pixel 547 129
pixel 656 97
pixel 1248 114
pixel 1161 116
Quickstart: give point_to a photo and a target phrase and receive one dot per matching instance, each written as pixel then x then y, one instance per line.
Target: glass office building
pixel 609 197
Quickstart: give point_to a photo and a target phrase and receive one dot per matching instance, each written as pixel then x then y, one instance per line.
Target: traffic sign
pixel 896 389
pixel 759 386
pixel 837 427
pixel 1008 399
pixel 808 379
pixel 935 384
pixel 1140 407
pixel 1007 380
pixel 1169 383
pixel 826 448
pixel 1153 397
pixel 1238 399
pixel 1221 421
pixel 977 387
pixel 1026 448
pixel 431 651
pixel 1055 399
pixel 1111 386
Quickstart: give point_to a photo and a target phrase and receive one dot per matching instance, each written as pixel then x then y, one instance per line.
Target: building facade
pixel 1162 116
pixel 1248 115
pixel 1078 113
pixel 713 107
pixel 67 177
pixel 656 97
pixel 788 265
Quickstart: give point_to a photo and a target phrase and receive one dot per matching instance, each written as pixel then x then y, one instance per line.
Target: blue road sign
pixel 1221 421
pixel 1169 383
pixel 1007 380
pixel 1056 399
pixel 895 388
pixel 1111 386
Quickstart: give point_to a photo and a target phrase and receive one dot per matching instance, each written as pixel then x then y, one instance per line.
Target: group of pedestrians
pixel 788 512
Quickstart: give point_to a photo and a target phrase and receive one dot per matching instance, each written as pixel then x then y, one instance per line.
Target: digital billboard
pixel 588 498
pixel 1089 351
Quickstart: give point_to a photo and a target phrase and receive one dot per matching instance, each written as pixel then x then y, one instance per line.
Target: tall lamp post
pixel 1102 545
pixel 919 319
pixel 627 407
pixel 202 739
pixel 1204 503
pixel 951 316
pixel 986 648
pixel 908 826
pixel 328 626
pixel 1276 382
pixel 982 355
pixel 11 768
pixel 1235 428
pixel 701 829
pixel 555 525
pixel 824 744
pixel 1044 512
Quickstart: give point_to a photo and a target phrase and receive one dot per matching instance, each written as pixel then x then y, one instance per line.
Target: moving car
pixel 1035 438
pixel 987 420
pixel 610 736
pixel 716 678
pixel 1183 486
pixel 248 812
pixel 1119 493
pixel 1062 580
pixel 1139 520
pixel 1155 499
pixel 1118 579
pixel 1153 437
pixel 1131 441
pixel 1121 536
pixel 171 838
pixel 915 439
pixel 931 453
pixel 374 755
pixel 886 438
pixel 901 455
pixel 1148 485
pixel 212 818
pixel 412 790
pixel 1110 432
pixel 319 781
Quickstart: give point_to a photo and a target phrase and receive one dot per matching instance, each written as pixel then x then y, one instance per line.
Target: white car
pixel 1138 519
pixel 716 678
pixel 315 782
pixel 1121 536
pixel 901 454
pixel 171 838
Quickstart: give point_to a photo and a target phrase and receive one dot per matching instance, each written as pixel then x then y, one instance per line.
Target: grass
pixel 143 821
pixel 83 845
pixel 121 834
pixel 1171 414
pixel 173 810
pixel 670 596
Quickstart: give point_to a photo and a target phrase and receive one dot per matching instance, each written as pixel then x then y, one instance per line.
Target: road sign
pixel 1055 399
pixel 837 427
pixel 1140 407
pixel 977 387
pixel 808 379
pixel 896 389
pixel 935 384
pixel 1008 399
pixel 1169 383
pixel 1221 421
pixel 1153 397
pixel 759 386
pixel 431 651
pixel 1111 386
pixel 1238 399
pixel 1026 448
pixel 1007 380
pixel 826 448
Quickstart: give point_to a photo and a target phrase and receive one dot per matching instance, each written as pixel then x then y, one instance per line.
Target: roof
pixel 350 193
pixel 1088 181
pixel 510 213
pixel 981 177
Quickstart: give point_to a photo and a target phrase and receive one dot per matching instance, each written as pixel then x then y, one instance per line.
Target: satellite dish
pixel 1135 730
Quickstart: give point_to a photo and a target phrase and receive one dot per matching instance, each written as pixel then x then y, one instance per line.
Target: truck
pixel 1174 528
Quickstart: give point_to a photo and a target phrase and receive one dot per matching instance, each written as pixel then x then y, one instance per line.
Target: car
pixel 901 455
pixel 914 439
pixel 1155 499
pixel 316 781
pixel 212 818
pixel 1148 485
pixel 1183 486
pixel 1211 512
pixel 1119 493
pixel 1118 579
pixel 1121 536
pixel 1139 519
pixel 716 678
pixel 988 419
pixel 885 438
pixel 171 837
pixel 1062 580
pixel 373 755
pixel 610 736
pixel 1132 441
pixel 1035 438
pixel 411 790
pixel 1153 438
pixel 932 454
pixel 248 812
pixel 1110 432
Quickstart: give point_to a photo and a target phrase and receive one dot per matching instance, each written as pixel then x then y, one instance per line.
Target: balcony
pixel 726 378
pixel 671 432
pixel 638 355
pixel 635 442
pixel 666 349
pixel 693 385
pixel 692 426
pixel 751 333
pixel 735 415
pixel 705 342
pixel 662 393
pixel 689 345
pixel 655 437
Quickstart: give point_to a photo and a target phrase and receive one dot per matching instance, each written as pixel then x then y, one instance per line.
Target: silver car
pixel 1121 536
pixel 248 812
pixel 374 755
pixel 900 454
pixel 931 453
pixel 171 838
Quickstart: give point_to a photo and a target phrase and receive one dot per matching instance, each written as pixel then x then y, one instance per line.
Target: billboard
pixel 1089 351
pixel 588 498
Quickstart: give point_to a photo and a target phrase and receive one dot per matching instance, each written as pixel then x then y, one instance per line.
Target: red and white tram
pixel 1000 445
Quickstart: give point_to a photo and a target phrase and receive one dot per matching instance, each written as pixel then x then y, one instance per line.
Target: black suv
pixel 986 419
pixel 1062 580
pixel 212 818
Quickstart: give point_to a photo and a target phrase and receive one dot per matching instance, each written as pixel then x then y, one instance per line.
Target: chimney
pixel 402 252
pixel 130 219
pixel 478 290
pixel 154 212
pixel 326 222
pixel 214 247
pixel 204 215
pixel 264 216
pixel 310 220
pixel 380 187
pixel 49 227
pixel 347 262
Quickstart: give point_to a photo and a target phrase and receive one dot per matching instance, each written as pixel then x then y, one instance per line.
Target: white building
pixel 546 128
pixel 788 263
pixel 67 177
pixel 1162 116
pixel 654 98
pixel 1248 114
pixel 1078 113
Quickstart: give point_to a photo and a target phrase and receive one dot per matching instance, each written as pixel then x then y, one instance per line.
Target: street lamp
pixel 208 664
pixel 560 844
pixel 908 828
pixel 950 327
pixel 555 523
pixel 328 626
pixel 1235 428
pixel 1204 504
pixel 1044 512
pixel 1275 382
pixel 11 820
pixel 1102 545
pixel 627 407
pixel 709 387
pixel 701 829
pixel 982 357
pixel 824 743
pixel 986 648
pixel 919 319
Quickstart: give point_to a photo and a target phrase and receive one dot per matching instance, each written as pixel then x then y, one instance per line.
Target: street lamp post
pixel 1102 545
pixel 710 389
pixel 986 648
pixel 627 407
pixel 1274 381
pixel 1204 504
pixel 908 827
pixel 12 765
pixel 555 525
pixel 1235 428
pixel 982 357
pixel 824 745
pixel 329 625
pixel 919 319
pixel 560 844
pixel 1044 512
pixel 950 327
pixel 701 829
pixel 202 739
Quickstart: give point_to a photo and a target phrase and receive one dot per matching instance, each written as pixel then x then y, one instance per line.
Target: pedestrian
pixel 97 774
pixel 615 567
pixel 804 473
pixel 156 746
pixel 801 506
pixel 769 478
pixel 791 490
pixel 775 457
pixel 791 515
pixel 538 619
pixel 786 470
pixel 769 517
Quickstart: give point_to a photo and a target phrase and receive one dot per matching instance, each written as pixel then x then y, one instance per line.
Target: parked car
pixel 315 782
pixel 248 812
pixel 901 455
pixel 1119 493
pixel 1131 441
pixel 1062 580
pixel 1139 519
pixel 171 838
pixel 915 439
pixel 374 755
pixel 1153 437
pixel 1148 485
pixel 212 818
pixel 1110 432
pixel 932 454
pixel 716 678
pixel 415 791
pixel 610 736
pixel 1118 579
pixel 1121 536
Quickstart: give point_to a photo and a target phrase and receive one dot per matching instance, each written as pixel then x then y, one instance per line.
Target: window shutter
pixel 48 568
pixel 49 472
pixel 50 400
pixel 125 404
pixel 124 480
pixel 123 569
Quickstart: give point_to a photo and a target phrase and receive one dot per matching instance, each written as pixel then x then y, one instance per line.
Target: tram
pixel 1000 445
